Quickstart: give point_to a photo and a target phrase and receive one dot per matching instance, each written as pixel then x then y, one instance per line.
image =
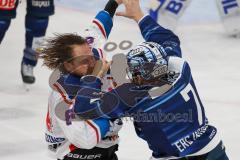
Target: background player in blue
pixel 36 23
pixel 162 84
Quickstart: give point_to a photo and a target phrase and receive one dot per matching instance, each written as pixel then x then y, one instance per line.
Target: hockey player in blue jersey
pixel 36 23
pixel 161 84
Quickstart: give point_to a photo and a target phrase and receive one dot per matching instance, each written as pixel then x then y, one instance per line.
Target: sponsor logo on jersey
pixel 7 4
pixel 188 140
pixel 82 156
pixel 40 4
pixel 52 139
pixel 213 134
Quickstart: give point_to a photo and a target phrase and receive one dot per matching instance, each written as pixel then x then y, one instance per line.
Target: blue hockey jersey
pixel 173 123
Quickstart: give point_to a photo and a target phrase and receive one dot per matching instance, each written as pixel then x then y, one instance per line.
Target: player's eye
pixel 82 60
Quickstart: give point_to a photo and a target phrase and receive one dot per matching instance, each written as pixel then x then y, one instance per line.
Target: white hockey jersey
pixel 62 138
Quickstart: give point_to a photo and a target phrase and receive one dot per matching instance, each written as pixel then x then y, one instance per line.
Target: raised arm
pixel 151 30
pixel 101 26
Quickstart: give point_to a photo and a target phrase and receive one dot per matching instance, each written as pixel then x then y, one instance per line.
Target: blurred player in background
pixel 77 58
pixel 168 13
pixel 230 16
pixel 36 23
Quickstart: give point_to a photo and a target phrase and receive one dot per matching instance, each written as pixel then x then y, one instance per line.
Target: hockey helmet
pixel 148 60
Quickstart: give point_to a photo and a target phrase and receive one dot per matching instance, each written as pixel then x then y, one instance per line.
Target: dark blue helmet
pixel 148 60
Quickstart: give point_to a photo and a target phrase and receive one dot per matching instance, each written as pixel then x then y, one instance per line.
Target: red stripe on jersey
pixel 48 122
pixel 95 129
pixel 72 147
pixel 101 52
pixel 100 27
pixel 62 94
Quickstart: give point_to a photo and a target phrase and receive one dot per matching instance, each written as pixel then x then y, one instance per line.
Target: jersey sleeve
pixel 153 32
pixel 85 134
pixel 82 133
pixel 113 104
pixel 99 30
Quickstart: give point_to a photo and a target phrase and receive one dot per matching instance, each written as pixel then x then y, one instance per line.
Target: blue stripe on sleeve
pixel 106 21
pixel 103 125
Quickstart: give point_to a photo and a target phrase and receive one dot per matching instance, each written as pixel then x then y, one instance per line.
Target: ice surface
pixel 213 56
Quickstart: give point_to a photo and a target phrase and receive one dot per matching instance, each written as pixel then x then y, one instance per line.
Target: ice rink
pixel 213 56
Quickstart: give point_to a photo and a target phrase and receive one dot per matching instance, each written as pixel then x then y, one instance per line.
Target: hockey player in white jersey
pixel 76 57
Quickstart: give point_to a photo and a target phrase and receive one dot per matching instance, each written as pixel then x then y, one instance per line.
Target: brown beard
pixel 91 67
pixel 140 81
pixel 90 70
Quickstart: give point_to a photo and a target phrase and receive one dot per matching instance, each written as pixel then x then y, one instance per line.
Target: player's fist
pixel 132 10
pixel 101 67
